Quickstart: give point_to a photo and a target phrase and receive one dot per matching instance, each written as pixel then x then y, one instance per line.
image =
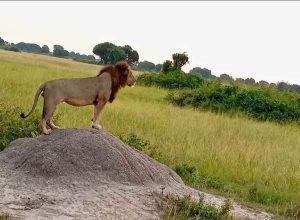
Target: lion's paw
pixel 47 131
pixel 97 126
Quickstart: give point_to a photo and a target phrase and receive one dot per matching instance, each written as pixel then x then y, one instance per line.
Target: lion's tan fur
pixel 95 91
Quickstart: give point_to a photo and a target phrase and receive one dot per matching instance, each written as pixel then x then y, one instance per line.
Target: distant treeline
pixel 109 53
pixel 58 50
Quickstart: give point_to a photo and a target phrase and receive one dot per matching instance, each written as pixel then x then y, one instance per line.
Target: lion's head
pixel 125 73
pixel 121 75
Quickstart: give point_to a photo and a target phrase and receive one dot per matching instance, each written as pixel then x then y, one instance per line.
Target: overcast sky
pixel 243 39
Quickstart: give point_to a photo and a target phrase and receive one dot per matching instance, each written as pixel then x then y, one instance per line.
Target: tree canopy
pixel 1 41
pixel 29 47
pixel 203 73
pixel 179 60
pixel 110 53
pixel 45 49
pixel 146 66
pixel 59 51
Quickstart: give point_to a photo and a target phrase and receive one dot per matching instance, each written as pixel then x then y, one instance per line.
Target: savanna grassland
pixel 257 163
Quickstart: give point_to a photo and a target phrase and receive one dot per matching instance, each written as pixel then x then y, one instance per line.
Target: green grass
pixel 185 208
pixel 256 163
pixel 4 216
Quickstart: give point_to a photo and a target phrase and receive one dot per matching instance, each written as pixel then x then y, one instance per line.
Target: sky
pixel 243 39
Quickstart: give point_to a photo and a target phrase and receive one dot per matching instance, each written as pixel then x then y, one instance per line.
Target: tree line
pixel 58 50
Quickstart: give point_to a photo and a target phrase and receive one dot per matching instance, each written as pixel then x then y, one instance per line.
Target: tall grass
pixel 255 162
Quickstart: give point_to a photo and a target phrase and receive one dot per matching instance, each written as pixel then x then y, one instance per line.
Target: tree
pixel 109 53
pixel 281 86
pixel 225 77
pixel 179 60
pixel 2 42
pixel 167 66
pixel 59 51
pixel 132 56
pixel 72 55
pixel 45 49
pixel 240 80
pixel 91 57
pixel 263 83
pixel 295 87
pixel 29 47
pixel 158 67
pixel 146 66
pixel 250 81
pixel 203 73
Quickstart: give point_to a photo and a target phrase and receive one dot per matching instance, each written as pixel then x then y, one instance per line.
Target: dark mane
pixel 118 77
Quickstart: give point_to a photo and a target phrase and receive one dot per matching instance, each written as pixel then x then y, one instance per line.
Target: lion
pixel 95 91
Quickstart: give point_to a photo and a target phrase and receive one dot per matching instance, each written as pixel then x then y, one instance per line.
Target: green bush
pixel 174 80
pixel 259 103
pixel 185 208
pixel 185 171
pixel 134 141
pixel 11 48
pixel 143 145
pixel 5 216
pixel 13 127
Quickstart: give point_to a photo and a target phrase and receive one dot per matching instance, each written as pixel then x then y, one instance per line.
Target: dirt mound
pixel 88 174
pixel 85 154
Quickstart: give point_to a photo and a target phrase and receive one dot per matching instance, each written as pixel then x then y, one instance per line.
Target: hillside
pixel 257 163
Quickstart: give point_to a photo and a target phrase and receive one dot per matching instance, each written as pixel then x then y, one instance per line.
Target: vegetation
pixel 258 103
pixel 45 49
pixel 256 163
pixel 59 51
pixel 11 48
pixel 203 73
pixel 110 53
pixel 11 127
pixel 29 47
pixel 185 208
pixel 1 41
pixel 5 217
pixel 146 66
pixel 179 60
pixel 171 81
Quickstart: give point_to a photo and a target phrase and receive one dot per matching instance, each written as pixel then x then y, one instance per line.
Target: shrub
pixel 174 80
pixel 185 208
pixel 11 48
pixel 5 216
pixel 134 141
pixel 259 103
pixel 144 145
pixel 185 171
pixel 12 126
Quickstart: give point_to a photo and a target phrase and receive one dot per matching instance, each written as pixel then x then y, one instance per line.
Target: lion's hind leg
pixel 48 111
pixel 51 124
pixel 97 110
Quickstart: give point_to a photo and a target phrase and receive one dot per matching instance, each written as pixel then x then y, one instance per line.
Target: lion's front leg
pixel 97 110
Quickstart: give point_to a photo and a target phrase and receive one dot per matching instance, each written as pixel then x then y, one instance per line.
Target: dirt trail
pixel 88 174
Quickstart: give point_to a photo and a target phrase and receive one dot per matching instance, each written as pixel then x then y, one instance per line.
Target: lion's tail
pixel 37 94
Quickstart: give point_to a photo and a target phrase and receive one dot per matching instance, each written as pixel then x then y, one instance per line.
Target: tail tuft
pixel 22 115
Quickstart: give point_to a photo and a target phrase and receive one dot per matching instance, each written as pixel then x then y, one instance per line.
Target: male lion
pixel 83 91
